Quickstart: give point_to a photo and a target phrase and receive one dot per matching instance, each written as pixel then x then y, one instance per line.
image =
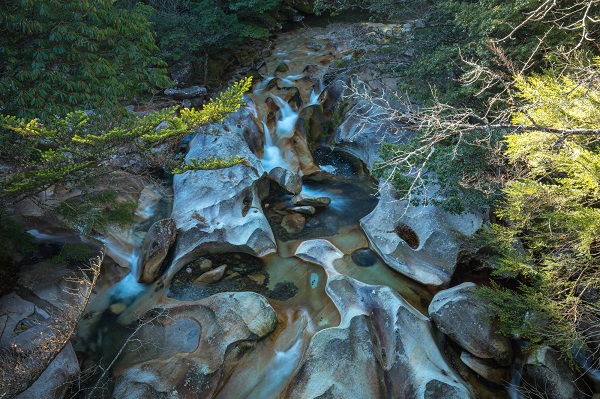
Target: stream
pixel 300 291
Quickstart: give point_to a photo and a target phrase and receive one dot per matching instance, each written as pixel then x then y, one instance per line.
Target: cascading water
pixel 272 157
pixel 285 125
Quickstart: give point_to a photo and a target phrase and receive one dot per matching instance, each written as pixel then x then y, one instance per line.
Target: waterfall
pixel 285 125
pixel 129 286
pixel 284 362
pixel 272 156
pixel 315 93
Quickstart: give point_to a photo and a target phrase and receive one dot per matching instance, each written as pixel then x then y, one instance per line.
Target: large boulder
pixel 194 343
pixel 55 381
pixel 470 322
pixel 545 370
pixel 156 245
pixel 286 180
pixel 421 242
pixel 383 346
pixel 363 121
pixel 220 210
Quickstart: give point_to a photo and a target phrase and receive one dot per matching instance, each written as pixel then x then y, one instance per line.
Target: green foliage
pixel 459 165
pixel 209 163
pixel 190 29
pixel 75 254
pixel 96 212
pixel 42 154
pixel 61 56
pixel 552 209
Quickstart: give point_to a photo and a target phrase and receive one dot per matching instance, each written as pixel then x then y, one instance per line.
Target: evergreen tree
pixel 59 56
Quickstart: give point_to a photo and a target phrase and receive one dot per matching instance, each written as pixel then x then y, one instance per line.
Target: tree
pixel 60 56
pixel 519 138
pixel 37 155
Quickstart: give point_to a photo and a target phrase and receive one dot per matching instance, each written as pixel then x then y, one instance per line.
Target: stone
pixel 383 347
pixel 305 210
pixel 13 309
pixel 182 73
pixel 293 223
pixel 305 200
pixel 55 381
pixel 186 93
pixel 258 278
pixel 221 210
pixel 206 265
pixel 486 368
pixel 193 345
pixel 364 257
pixel 422 242
pixel 117 308
pixel 470 322
pixel 286 180
pixel 158 241
pixel 552 377
pixel 212 276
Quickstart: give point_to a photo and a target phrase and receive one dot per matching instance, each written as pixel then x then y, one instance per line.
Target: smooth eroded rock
pixel 306 200
pixel 156 245
pixel 286 180
pixel 470 322
pixel 220 210
pixel 193 345
pixel 421 242
pixel 212 276
pixel 383 346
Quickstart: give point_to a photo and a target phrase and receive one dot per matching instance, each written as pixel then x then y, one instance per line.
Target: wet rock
pixel 364 257
pixel 206 265
pixel 258 278
pixel 56 379
pixel 286 180
pixel 195 344
pixel 212 276
pixel 470 322
pixel 305 200
pixel 186 93
pixel 383 347
pixel 554 380
pixel 421 242
pixel 293 223
pixel 156 245
pixel 311 123
pixel 305 210
pixel 486 368
pixel 220 210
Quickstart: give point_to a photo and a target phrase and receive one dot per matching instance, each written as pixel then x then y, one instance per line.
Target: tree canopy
pixel 60 56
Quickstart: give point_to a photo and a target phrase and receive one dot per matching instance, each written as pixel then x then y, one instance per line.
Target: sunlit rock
pixel 421 242
pixel 220 210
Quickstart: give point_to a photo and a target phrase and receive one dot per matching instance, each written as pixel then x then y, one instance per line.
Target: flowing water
pixel 293 81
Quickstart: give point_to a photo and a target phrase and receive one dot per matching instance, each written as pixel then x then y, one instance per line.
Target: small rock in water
pixel 304 200
pixel 117 308
pixel 212 276
pixel 293 223
pixel 305 210
pixel 232 276
pixel 205 265
pixel 364 257
pixel 286 180
pixel 188 270
pixel 258 278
